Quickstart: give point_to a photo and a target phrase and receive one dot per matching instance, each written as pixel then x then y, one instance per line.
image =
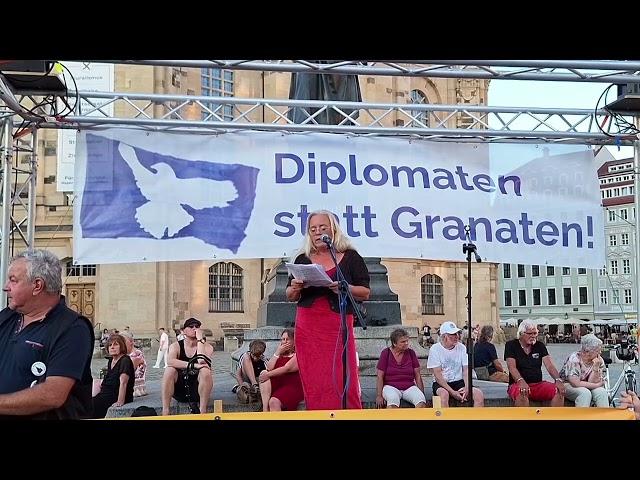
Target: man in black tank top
pixel 197 389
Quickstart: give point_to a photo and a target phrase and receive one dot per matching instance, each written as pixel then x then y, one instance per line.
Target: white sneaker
pixel 156 366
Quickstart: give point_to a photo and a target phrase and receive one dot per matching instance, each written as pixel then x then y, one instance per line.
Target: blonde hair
pixel 340 240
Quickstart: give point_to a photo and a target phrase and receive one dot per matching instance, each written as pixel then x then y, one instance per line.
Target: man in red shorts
pixel 525 356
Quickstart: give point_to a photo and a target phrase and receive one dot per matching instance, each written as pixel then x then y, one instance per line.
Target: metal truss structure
pixel 489 124
pixel 547 70
pixel 492 124
pixel 421 121
pixel 18 194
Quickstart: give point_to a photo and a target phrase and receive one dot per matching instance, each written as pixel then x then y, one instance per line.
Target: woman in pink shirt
pixel 399 374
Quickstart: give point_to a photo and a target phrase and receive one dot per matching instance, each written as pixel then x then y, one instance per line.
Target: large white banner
pixel 156 196
pixel 90 77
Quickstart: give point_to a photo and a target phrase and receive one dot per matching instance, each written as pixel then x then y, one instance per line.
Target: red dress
pixel 319 352
pixel 287 388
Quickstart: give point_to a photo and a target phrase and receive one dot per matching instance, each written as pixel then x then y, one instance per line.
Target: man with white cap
pixel 448 359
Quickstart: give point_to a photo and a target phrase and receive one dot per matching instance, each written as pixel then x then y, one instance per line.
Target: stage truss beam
pixel 594 71
pixel 18 194
pixel 487 124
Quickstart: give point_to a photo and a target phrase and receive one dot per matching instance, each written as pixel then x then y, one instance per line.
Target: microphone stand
pixel 344 294
pixel 469 248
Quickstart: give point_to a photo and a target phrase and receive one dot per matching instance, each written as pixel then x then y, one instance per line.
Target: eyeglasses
pixel 531 333
pixel 320 228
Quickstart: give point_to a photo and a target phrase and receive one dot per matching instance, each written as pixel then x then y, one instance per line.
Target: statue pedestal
pixel 369 344
pixel 383 307
pixel 274 309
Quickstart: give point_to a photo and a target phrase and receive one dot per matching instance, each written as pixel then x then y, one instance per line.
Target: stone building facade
pixel 147 296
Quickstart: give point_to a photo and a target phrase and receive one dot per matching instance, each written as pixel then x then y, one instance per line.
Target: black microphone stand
pixel 344 294
pixel 469 248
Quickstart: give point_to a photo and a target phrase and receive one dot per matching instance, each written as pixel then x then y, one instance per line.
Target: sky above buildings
pixel 525 93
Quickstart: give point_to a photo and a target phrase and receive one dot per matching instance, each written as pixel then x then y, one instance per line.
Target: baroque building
pixel 608 294
pixel 225 294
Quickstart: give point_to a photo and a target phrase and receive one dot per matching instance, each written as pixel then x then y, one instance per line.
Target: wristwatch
pixel 202 340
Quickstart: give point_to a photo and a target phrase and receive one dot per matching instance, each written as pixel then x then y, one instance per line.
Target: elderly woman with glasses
pixel 318 320
pixel 582 373
pixel 524 356
pixel 398 374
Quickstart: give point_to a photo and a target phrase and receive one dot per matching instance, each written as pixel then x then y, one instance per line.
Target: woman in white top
pixel 583 374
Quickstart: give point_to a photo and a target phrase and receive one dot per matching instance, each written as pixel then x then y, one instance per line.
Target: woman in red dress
pixel 318 326
pixel 280 386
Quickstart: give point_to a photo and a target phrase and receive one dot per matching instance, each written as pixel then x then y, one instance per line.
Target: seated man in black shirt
pixel 525 356
pixel 197 389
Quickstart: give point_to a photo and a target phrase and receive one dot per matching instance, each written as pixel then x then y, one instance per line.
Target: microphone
pixel 327 239
pixel 467 233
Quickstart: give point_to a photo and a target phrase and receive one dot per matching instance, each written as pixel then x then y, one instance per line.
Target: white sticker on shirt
pixel 38 369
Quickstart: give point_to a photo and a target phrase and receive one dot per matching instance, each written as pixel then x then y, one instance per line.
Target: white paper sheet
pixel 312 275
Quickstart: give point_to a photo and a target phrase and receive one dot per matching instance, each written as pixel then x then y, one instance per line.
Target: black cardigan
pixel 355 273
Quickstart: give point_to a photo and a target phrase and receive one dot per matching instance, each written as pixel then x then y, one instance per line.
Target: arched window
pixel 432 297
pixel 417 97
pixel 225 288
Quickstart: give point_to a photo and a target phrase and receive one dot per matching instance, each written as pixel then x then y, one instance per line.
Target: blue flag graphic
pixel 130 192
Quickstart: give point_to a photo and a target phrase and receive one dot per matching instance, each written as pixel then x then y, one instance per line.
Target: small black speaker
pixel 622 89
pixel 628 89
pixel 34 66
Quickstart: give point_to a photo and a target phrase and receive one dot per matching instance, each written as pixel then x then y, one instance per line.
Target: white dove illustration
pixel 166 194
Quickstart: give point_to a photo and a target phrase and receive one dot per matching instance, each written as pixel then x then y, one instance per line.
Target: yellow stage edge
pixel 430 414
